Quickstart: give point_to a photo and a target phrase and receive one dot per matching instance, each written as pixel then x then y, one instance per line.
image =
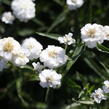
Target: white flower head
pixel 53 56
pixel 106 31
pixel 106 86
pixel 20 59
pixel 32 48
pixel 8 47
pixel 98 95
pixel 50 78
pixel 24 10
pixel 7 18
pixel 92 34
pixel 74 4
pixel 37 66
pixel 3 64
pixel 67 39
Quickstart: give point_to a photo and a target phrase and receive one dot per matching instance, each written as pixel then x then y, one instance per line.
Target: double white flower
pixel 67 39
pixel 8 47
pixel 32 48
pixel 53 56
pixel 7 18
pixel 92 34
pixel 24 10
pixel 50 78
pixel 74 4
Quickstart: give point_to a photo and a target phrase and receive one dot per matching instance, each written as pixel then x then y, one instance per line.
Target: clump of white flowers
pixel 12 51
pixel 67 39
pixel 98 95
pixel 32 48
pixel 7 18
pixel 20 54
pixel 74 4
pixel 92 34
pixel 101 94
pixel 24 10
pixel 53 56
pixel 50 78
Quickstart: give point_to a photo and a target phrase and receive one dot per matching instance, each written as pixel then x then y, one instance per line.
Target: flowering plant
pixel 53 55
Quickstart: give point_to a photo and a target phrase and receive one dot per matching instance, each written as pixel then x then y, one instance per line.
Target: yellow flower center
pixel 91 32
pixel 8 47
pixel 52 53
pixel 30 46
pixel 49 79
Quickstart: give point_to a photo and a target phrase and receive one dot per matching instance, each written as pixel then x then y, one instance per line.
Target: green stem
pixel 47 94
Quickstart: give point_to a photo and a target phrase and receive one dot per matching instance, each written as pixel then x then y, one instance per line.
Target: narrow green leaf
pixel 86 102
pixel 74 57
pixel 58 20
pixel 102 48
pixel 94 67
pixel 73 105
pixel 19 91
pixel 51 36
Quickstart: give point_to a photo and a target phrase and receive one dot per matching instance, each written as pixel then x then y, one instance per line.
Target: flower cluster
pixel 100 94
pixel 51 57
pixel 24 10
pixel 16 53
pixel 30 49
pixel 91 34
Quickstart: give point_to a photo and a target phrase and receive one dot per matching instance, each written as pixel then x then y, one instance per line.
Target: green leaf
pixel 7 2
pixel 25 32
pixel 51 36
pixel 102 48
pixel 73 105
pixel 92 64
pixel 58 20
pixel 86 102
pixel 75 56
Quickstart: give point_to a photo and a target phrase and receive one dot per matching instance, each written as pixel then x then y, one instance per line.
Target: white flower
pixel 67 39
pixel 20 59
pixel 106 86
pixel 37 66
pixel 98 95
pixel 50 78
pixel 32 48
pixel 24 10
pixel 7 18
pixel 106 30
pixel 8 47
pixel 3 64
pixel 74 4
pixel 53 56
pixel 92 34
